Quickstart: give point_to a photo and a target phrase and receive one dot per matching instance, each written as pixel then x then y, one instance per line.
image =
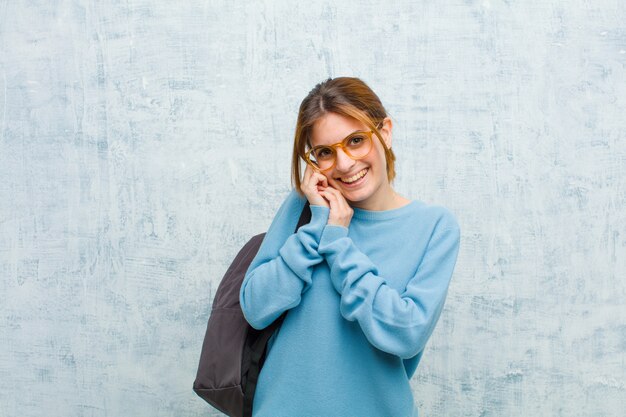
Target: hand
pixel 340 210
pixel 311 187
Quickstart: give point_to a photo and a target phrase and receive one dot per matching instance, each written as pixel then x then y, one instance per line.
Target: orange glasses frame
pixel 340 144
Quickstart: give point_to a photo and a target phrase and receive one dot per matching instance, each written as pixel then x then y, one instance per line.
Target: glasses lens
pixel 358 145
pixel 323 157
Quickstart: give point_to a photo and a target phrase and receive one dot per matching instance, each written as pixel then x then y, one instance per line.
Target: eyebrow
pixel 358 130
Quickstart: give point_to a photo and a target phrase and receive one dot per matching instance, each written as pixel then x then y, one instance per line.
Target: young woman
pixel 364 281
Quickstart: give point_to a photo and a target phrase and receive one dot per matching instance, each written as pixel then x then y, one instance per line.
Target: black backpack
pixel 233 352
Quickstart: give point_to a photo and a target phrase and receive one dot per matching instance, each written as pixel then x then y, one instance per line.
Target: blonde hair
pixel 347 96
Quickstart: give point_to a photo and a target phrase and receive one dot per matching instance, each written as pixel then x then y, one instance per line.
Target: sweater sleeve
pixel 394 322
pixel 282 268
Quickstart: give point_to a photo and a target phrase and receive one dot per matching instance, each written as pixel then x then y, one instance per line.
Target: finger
pixel 341 200
pixel 321 178
pixel 336 193
pixel 311 178
pixel 307 173
pixel 303 183
pixel 332 199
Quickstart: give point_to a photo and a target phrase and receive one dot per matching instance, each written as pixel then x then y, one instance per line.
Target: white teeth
pixel 355 177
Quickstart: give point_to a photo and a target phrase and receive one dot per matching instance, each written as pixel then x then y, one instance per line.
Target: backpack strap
pixel 305 216
pixel 259 349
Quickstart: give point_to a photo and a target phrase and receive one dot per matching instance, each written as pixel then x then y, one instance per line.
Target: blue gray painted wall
pixel 142 143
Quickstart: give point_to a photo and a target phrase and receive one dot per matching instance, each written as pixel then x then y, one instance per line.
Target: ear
pixel 385 131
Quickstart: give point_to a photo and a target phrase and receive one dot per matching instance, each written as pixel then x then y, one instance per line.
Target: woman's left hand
pixel 340 210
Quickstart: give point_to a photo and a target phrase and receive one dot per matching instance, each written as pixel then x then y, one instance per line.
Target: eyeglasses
pixel 356 145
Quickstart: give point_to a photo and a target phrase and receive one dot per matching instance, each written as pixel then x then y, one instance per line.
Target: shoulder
pixel 287 216
pixel 294 201
pixel 440 217
pixel 291 208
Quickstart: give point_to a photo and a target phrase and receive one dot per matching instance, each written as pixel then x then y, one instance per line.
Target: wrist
pixel 336 223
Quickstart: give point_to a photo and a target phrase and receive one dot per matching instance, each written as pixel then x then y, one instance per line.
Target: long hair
pixel 347 96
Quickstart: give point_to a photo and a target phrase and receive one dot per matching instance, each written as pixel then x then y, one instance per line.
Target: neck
pixel 385 199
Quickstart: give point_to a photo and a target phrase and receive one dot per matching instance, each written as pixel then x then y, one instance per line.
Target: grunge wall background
pixel 142 144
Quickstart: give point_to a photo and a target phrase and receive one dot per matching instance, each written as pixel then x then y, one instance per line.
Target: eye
pixel 356 140
pixel 323 152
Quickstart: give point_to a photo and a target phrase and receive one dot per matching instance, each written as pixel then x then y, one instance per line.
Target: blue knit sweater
pixel 363 301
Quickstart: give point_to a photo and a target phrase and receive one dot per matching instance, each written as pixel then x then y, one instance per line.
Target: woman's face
pixel 374 186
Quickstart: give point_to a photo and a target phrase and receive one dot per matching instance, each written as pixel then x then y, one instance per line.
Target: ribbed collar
pixel 360 213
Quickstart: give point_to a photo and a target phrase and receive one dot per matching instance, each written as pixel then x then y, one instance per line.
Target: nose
pixel 343 162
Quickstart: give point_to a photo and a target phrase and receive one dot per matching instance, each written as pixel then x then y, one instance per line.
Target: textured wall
pixel 142 143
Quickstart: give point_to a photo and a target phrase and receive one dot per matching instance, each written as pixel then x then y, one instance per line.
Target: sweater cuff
pixel 331 233
pixel 319 217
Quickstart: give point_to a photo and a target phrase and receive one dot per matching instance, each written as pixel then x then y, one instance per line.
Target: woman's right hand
pixel 311 184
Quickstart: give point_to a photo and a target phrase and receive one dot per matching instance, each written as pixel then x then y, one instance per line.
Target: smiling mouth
pixel 355 177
